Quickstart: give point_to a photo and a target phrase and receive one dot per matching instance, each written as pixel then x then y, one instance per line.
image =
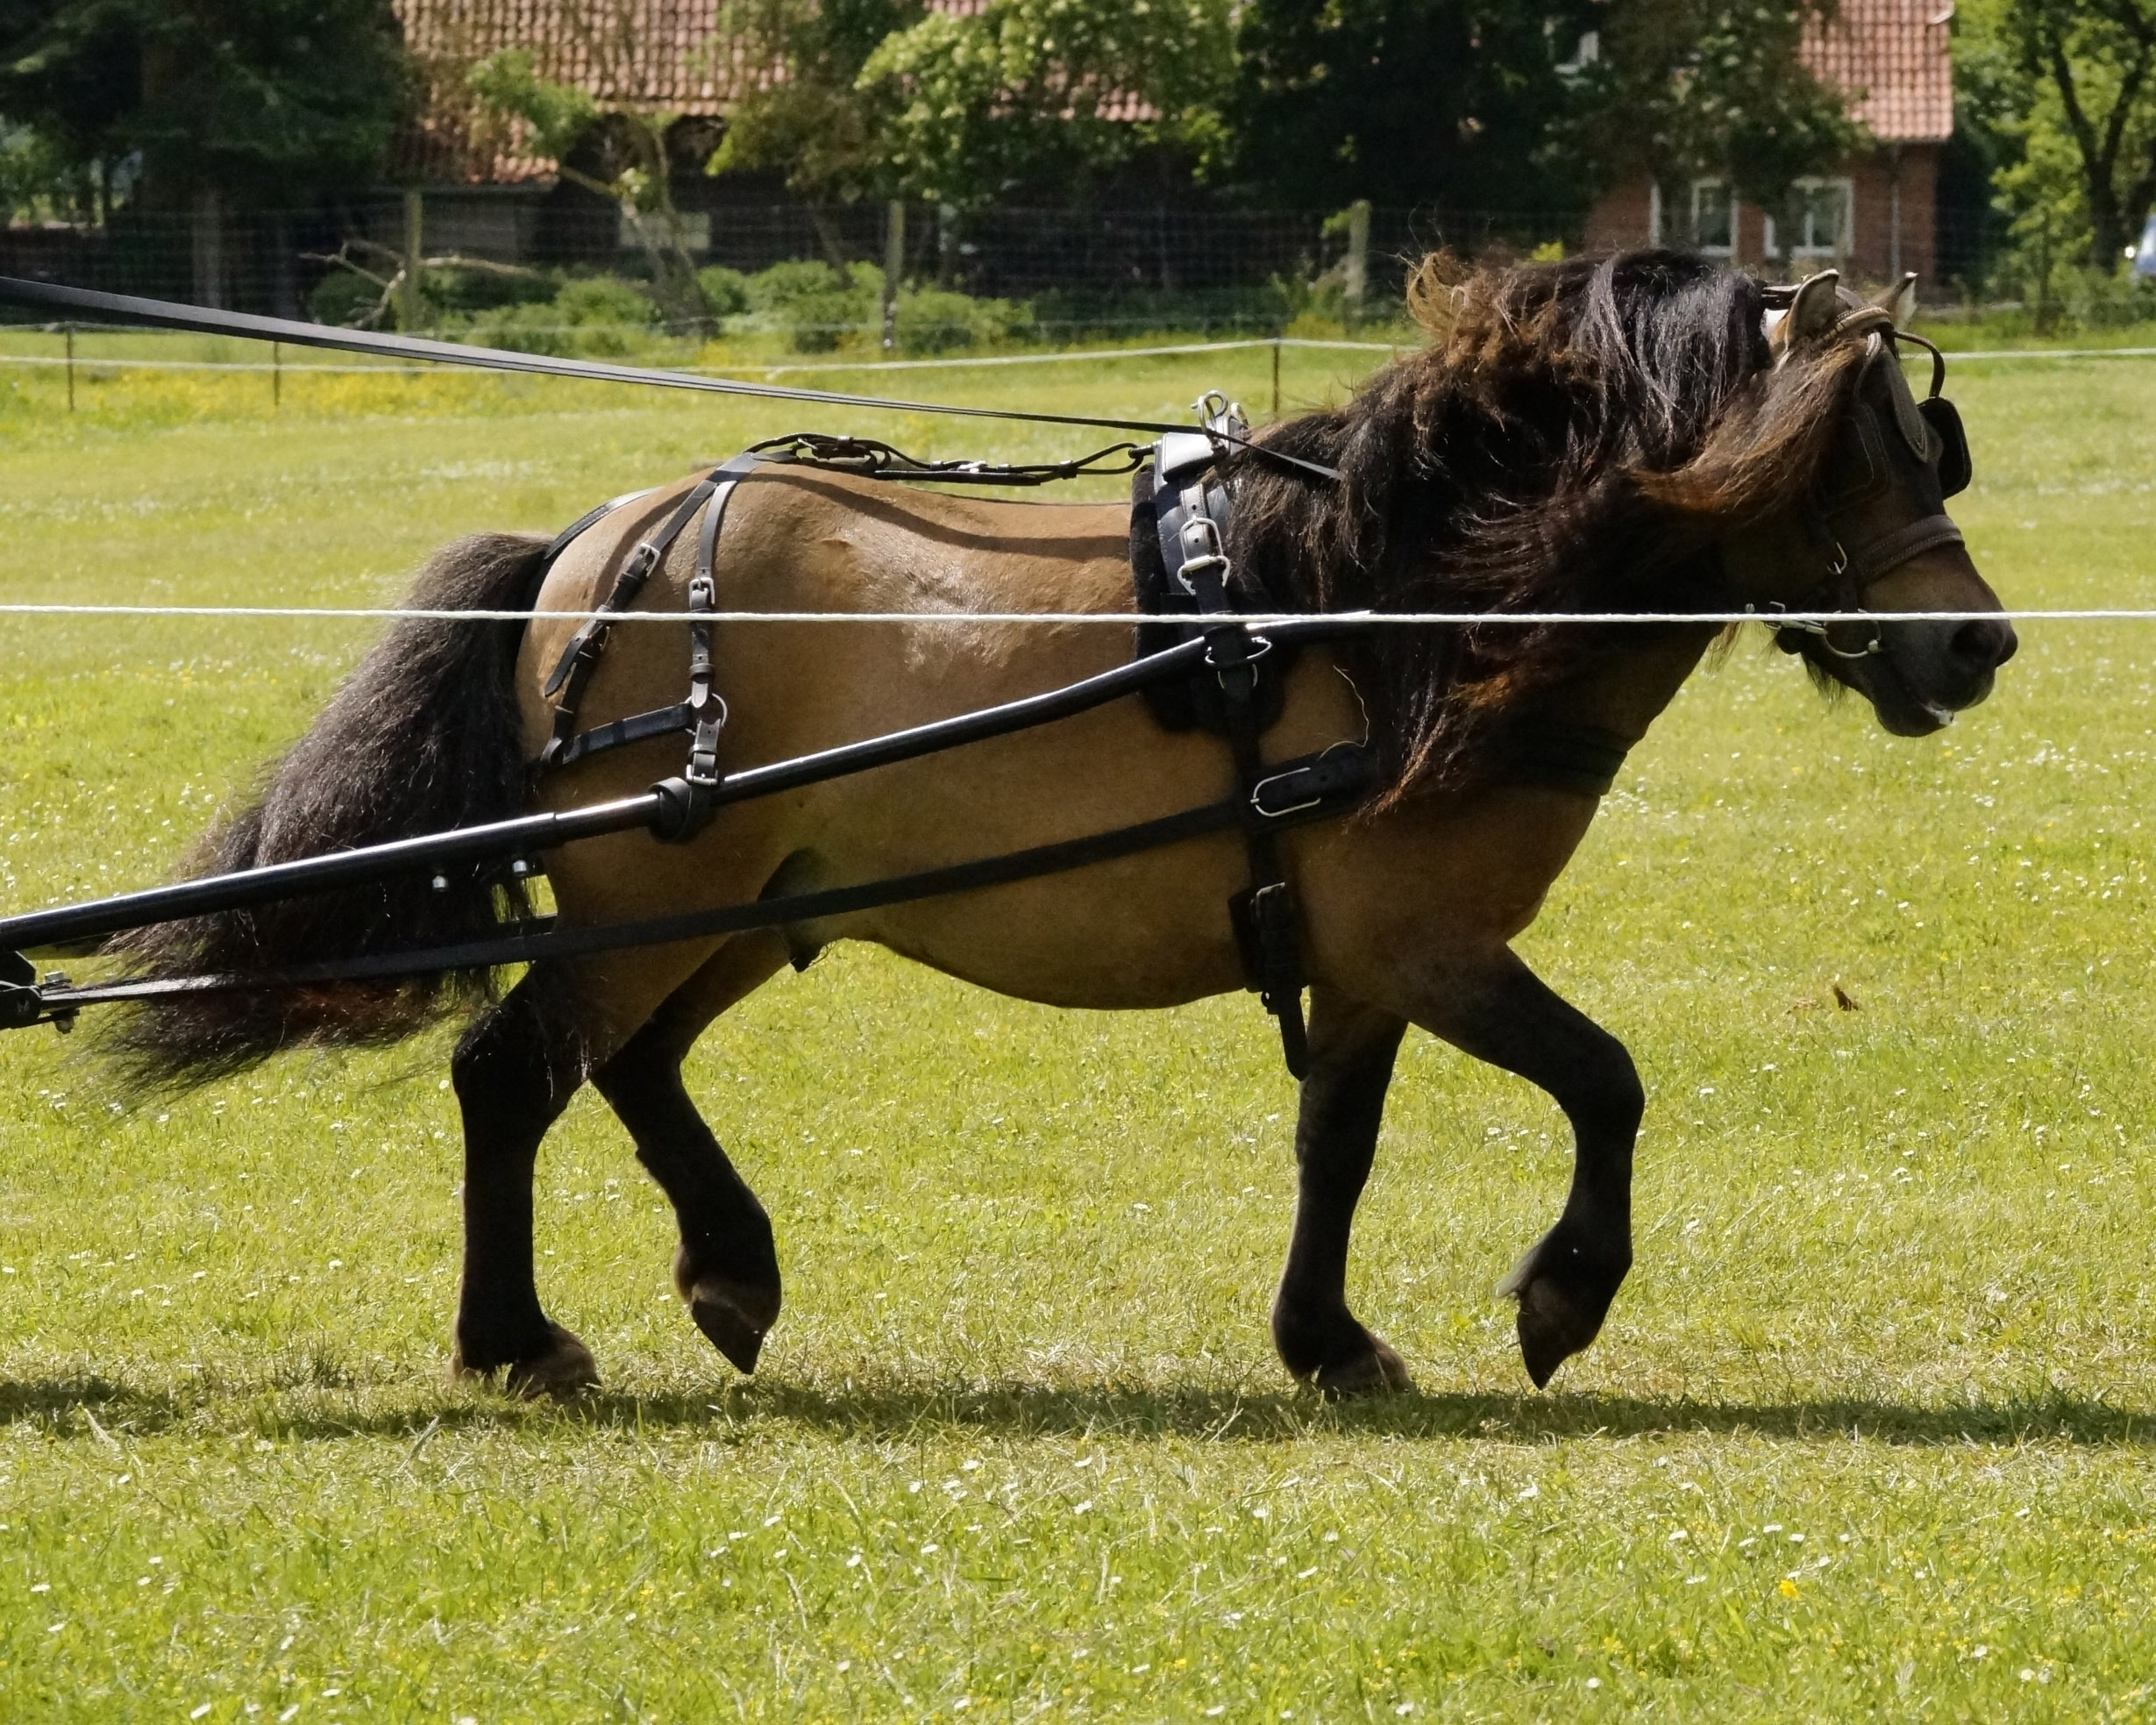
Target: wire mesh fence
pixel 1166 266
pixel 276 262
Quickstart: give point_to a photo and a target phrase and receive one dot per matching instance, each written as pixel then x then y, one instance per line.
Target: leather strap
pixel 1338 780
pixel 1264 914
pixel 579 658
pixel 1877 557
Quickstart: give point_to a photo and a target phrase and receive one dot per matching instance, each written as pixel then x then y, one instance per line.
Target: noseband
pixel 1933 432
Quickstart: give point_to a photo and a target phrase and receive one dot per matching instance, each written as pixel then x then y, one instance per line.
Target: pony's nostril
pixel 1983 646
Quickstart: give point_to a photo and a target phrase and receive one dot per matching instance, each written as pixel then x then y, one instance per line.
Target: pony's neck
pixel 1623 692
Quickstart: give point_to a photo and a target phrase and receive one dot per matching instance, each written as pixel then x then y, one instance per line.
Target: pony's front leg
pixel 515 1072
pixel 1503 1013
pixel 1351 1051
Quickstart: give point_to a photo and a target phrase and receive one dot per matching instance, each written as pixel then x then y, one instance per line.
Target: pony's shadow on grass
pixel 97 1409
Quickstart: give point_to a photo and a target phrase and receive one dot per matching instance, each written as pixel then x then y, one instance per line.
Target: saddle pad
pixel 1190 703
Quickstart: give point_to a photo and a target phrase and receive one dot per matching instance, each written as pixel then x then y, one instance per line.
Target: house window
pixel 1714 217
pixel 1822 219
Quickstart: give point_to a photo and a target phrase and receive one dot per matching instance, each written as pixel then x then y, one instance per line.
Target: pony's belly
pixel 1149 931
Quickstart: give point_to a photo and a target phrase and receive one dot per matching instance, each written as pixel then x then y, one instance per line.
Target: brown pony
pixel 1639 433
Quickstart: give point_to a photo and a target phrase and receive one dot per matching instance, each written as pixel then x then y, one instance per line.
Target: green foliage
pixel 559 115
pixel 1022 95
pixel 2083 115
pixel 811 124
pixel 595 316
pixel 343 298
pixel 935 320
pixel 271 101
pixel 619 153
pixel 725 291
pixel 1687 88
pixel 38 180
pixel 816 305
pixel 1444 103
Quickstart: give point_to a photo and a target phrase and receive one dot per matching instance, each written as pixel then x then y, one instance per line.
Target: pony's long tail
pixel 425 735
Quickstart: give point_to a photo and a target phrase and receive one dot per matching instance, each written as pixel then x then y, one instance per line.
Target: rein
pixel 205 320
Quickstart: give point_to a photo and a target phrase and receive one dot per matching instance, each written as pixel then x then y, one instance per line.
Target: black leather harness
pixel 1188 508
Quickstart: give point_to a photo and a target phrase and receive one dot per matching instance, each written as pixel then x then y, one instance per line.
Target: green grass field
pixel 1869 1433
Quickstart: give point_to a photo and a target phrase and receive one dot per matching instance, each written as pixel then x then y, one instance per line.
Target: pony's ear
pixel 1899 301
pixel 1815 311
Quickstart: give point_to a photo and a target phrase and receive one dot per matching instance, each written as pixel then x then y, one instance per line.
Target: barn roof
pixel 1894 57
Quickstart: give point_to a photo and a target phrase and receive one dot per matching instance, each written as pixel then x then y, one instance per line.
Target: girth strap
pixel 1264 914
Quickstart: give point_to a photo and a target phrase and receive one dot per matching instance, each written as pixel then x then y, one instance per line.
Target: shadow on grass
pixel 901 1409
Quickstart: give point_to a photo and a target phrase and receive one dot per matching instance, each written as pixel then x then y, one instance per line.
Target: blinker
pixel 1944 420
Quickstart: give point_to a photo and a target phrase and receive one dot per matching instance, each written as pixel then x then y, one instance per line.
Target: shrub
pixel 594 316
pixel 936 320
pixel 343 298
pixel 725 291
pixel 815 305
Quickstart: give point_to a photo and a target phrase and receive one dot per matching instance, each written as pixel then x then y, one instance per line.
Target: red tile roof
pixel 644 53
pixel 1895 59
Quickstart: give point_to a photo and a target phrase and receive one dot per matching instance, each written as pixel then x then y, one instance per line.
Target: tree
pixel 1448 104
pixel 2092 68
pixel 266 101
pixel 1691 87
pixel 621 154
pixel 804 115
pixel 1048 95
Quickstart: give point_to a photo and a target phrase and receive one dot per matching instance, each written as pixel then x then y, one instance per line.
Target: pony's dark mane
pixel 1575 436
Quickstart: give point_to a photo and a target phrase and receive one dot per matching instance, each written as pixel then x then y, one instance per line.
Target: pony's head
pixel 1645 432
pixel 1870 531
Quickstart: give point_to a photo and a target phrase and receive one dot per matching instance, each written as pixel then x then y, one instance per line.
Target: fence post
pixel 894 266
pixel 1276 377
pixel 68 329
pixel 1354 277
pixel 409 303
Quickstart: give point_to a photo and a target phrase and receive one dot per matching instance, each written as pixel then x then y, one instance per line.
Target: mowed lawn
pixel 1870 1430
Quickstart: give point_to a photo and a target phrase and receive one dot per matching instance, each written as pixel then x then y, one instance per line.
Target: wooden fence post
pixel 894 266
pixel 409 305
pixel 1354 277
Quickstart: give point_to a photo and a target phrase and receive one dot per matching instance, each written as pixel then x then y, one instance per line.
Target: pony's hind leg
pixel 514 1072
pixel 726 1268
pixel 1351 1049
pixel 1505 1015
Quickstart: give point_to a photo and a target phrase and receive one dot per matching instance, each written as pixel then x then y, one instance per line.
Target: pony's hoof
pixel 1552 1328
pixel 1564 1292
pixel 1379 1371
pixel 734 1317
pixel 562 1369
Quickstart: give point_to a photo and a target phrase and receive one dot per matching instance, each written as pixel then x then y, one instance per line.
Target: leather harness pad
pixel 1190 703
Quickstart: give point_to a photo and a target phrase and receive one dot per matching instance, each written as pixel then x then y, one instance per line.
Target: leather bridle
pixel 1932 431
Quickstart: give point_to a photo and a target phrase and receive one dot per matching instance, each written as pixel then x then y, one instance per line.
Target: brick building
pixel 1874 214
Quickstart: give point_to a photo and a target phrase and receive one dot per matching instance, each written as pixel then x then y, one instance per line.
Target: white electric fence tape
pixel 1378 619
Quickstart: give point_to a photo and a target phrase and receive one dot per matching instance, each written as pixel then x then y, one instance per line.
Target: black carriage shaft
pixel 530 833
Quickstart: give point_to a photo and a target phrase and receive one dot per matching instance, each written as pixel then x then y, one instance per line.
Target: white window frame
pixel 1847 226
pixel 1713 184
